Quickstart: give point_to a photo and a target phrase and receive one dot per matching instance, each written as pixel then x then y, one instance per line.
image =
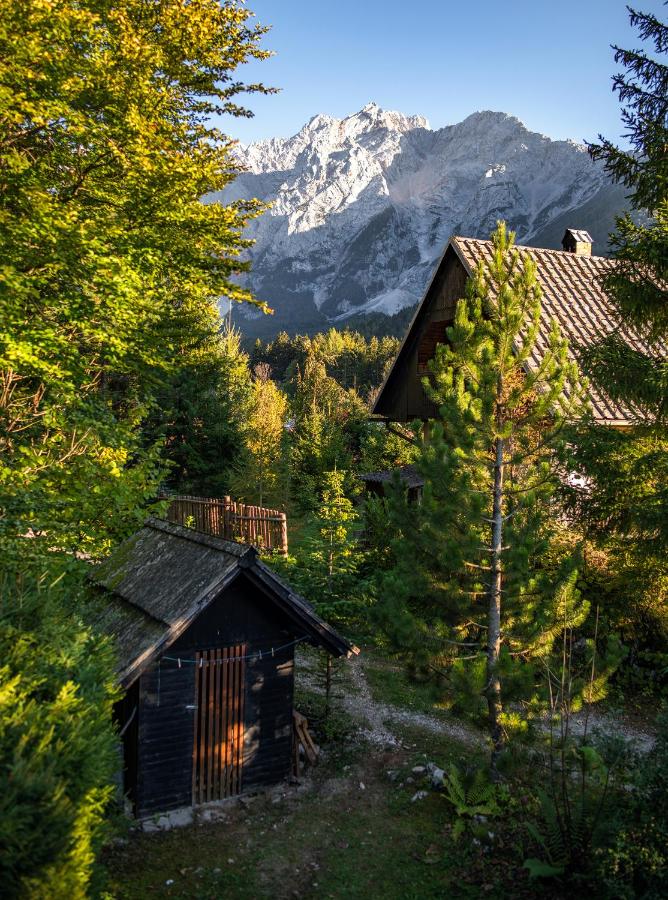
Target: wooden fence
pixel 265 528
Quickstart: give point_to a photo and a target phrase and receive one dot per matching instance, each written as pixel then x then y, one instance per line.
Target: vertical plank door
pixel 219 723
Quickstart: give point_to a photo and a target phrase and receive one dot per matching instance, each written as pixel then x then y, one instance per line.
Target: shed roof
pixel 159 580
pixel 408 475
pixel 572 293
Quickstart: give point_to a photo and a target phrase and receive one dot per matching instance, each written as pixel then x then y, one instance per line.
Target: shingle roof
pixel 409 476
pixel 164 576
pixel 572 293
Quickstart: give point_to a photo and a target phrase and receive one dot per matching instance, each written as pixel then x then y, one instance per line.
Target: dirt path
pixel 375 719
pixel 607 723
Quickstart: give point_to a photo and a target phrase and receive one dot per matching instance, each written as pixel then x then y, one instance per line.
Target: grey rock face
pixel 362 207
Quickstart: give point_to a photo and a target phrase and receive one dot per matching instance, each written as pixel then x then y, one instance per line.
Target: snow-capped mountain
pixel 362 206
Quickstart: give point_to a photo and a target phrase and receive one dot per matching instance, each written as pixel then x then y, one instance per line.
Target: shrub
pixel 635 863
pixel 57 747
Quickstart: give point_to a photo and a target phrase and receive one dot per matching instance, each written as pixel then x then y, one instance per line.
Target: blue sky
pixel 548 63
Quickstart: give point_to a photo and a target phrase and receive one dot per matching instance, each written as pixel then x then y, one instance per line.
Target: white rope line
pixel 258 654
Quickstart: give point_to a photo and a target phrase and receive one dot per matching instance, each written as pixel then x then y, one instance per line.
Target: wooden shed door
pixel 219 723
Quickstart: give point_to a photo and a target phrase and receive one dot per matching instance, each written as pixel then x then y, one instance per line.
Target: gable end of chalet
pixel 571 281
pixel 402 397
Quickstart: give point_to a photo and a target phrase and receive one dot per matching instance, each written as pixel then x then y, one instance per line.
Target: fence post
pixel 226 532
pixel 284 533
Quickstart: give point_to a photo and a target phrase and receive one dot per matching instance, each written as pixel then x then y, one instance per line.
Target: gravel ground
pixel 608 723
pixel 361 705
pixel 375 719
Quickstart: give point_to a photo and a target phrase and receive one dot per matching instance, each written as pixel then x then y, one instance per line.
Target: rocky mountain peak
pixel 362 206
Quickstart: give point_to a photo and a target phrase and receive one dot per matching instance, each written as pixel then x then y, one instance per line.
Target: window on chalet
pixel 433 334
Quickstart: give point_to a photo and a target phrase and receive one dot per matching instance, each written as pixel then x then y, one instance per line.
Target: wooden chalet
pixel 205 634
pixel 571 282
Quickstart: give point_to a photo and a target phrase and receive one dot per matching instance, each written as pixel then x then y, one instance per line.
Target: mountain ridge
pixel 363 206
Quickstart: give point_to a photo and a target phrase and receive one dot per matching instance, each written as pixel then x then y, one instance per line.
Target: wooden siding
pixel 438 314
pixel 241 614
pixel 165 739
pixel 434 334
pixel 126 719
pixel 403 398
pixel 220 692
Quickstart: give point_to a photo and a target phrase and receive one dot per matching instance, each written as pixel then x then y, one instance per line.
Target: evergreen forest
pixel 504 730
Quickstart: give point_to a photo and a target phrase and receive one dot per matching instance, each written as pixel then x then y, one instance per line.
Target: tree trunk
pixel 493 690
pixel 328 684
pixel 330 569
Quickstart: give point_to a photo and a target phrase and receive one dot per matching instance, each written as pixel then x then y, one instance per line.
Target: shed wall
pixel 241 614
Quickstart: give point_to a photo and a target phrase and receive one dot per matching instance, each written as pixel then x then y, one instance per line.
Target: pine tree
pixel 329 559
pixel 637 286
pixel 471 594
pixel 58 750
pixel 200 415
pixel 626 504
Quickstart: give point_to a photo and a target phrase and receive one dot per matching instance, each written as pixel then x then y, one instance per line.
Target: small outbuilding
pixel 205 634
pixel 376 482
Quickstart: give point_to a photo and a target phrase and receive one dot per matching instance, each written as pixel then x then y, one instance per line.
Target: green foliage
pixel 645 673
pixel 110 361
pixel 329 425
pixel 201 412
pixel 333 728
pixel 580 795
pixel 330 379
pixel 637 285
pixel 328 564
pixel 565 835
pixel 478 798
pixel 57 747
pixel 110 260
pixel 350 359
pixel 475 604
pixel 634 863
pixel 624 513
pixel 261 479
pixel 625 504
pixel 602 822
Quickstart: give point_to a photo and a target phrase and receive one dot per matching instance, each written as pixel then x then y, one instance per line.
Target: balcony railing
pixel 266 529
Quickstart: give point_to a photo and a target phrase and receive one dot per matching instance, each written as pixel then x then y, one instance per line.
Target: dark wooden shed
pixel 205 634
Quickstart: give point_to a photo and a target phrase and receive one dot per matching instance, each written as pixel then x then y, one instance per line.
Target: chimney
pixel 578 242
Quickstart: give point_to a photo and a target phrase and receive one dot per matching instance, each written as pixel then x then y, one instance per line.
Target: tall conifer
pixel 626 503
pixel 471 594
pixel 637 285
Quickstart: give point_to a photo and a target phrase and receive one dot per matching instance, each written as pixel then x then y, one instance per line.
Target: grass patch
pixel 390 684
pixel 440 748
pixel 352 830
pixel 339 840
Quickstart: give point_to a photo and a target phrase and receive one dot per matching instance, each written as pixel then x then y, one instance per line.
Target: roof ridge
pixel 461 237
pixel 200 537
